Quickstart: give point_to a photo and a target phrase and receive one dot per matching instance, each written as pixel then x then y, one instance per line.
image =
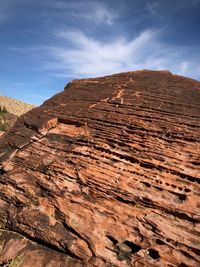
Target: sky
pixel 45 44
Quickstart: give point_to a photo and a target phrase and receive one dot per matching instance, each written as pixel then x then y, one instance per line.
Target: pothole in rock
pixel 125 249
pixel 154 254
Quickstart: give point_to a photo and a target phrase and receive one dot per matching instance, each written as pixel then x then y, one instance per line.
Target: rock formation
pixel 106 173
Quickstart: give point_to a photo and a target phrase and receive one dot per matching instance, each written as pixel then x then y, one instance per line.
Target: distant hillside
pixel 14 106
pixel 10 110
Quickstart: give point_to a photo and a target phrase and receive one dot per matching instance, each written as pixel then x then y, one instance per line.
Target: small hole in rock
pixel 2 171
pixel 158 188
pixel 182 197
pixel 191 179
pixel 159 242
pixel 147 201
pixel 187 190
pixel 134 247
pixel 126 201
pixel 154 254
pixel 195 163
pixel 183 265
pixel 146 184
pixel 112 239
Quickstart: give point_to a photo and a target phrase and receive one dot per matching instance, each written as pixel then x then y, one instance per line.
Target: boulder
pixel 105 173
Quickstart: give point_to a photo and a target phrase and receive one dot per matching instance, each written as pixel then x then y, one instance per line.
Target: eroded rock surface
pixel 106 173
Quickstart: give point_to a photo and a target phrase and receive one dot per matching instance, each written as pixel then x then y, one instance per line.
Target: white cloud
pixel 93 57
pixel 84 56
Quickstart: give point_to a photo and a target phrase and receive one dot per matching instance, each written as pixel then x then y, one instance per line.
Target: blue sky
pixel 45 44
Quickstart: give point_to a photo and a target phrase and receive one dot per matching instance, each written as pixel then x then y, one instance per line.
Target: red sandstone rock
pixel 106 173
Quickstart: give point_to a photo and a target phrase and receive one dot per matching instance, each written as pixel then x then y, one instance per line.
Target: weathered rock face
pixel 106 173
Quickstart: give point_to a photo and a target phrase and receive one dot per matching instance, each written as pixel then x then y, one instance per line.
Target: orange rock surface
pixel 105 173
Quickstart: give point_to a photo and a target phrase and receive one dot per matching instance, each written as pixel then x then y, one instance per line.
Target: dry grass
pixel 14 106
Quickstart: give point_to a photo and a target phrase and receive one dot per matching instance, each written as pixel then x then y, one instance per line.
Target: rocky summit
pixel 105 173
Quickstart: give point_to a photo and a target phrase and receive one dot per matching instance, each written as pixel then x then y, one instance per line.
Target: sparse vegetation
pixel 6 120
pixel 3 127
pixel 3 110
pixel 3 124
pixel 13 262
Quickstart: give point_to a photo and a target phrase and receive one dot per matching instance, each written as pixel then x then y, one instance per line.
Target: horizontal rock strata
pixel 106 173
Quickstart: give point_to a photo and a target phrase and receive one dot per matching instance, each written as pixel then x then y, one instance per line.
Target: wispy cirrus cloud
pixel 89 56
pixel 85 56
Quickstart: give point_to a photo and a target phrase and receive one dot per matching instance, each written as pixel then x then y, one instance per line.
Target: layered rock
pixel 106 173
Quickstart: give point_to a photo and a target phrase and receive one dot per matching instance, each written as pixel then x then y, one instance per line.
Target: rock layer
pixel 106 173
